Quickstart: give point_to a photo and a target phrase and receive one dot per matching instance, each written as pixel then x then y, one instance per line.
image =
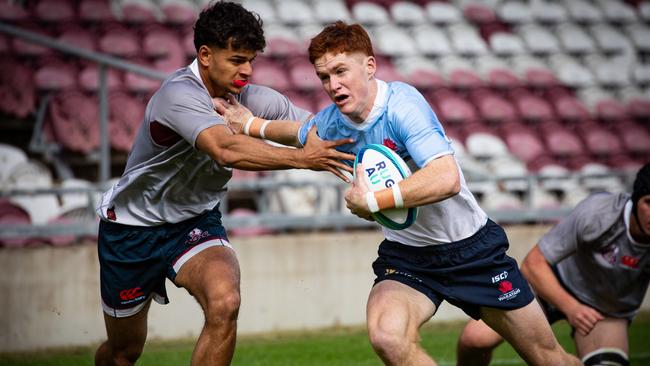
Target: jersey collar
pixel 194 67
pixel 627 211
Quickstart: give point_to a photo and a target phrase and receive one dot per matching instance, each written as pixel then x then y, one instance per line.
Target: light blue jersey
pixel 402 120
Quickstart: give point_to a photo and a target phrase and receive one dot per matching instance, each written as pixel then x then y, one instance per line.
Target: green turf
pixel 332 347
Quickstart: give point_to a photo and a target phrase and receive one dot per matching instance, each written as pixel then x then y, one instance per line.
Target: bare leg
pixel 395 313
pixel 212 277
pixel 126 337
pixel 528 331
pixel 608 333
pixel 476 343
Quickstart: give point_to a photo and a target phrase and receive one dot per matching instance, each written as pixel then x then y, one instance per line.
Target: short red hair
pixel 340 37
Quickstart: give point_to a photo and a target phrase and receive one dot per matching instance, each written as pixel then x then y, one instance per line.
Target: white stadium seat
pixel 431 41
pixel 407 13
pixel 583 11
pixel 265 9
pixel 538 39
pixel 571 72
pixel 616 11
pixel 368 13
pixel 575 39
pixel 548 12
pixel 395 41
pixel 295 12
pixel 466 40
pixel 443 13
pixel 503 43
pixel 610 39
pixel 330 11
pixel 515 12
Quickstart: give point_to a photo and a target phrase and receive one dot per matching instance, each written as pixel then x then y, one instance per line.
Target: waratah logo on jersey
pixel 608 254
pixel 196 235
pixel 390 144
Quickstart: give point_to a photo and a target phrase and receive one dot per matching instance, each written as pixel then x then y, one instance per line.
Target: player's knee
pixel 223 307
pixel 478 338
pixel 606 357
pixel 123 356
pixel 387 340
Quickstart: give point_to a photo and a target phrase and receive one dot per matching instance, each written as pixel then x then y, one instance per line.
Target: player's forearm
pixel 541 277
pixel 435 182
pixel 284 132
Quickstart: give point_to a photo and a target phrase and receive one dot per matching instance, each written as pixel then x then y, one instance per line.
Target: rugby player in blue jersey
pixel 592 269
pixel 161 219
pixel 453 251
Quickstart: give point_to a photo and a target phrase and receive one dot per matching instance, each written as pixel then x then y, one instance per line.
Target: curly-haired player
pixel 162 219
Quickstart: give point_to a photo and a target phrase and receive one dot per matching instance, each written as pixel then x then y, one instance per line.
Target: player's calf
pixel 606 357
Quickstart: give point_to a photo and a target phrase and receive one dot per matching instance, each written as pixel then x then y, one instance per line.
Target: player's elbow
pixel 452 186
pixel 225 157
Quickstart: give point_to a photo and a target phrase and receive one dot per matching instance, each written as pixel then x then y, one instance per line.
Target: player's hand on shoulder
pixel 320 154
pixel 233 113
pixel 355 196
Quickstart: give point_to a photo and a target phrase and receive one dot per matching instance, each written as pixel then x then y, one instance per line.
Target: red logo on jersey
pixel 131 293
pixel 390 144
pixel 505 286
pixel 629 261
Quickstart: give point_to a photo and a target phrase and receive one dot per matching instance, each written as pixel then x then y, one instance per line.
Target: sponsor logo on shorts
pixel 501 276
pixel 507 292
pixel 195 235
pixel 391 271
pixel 131 295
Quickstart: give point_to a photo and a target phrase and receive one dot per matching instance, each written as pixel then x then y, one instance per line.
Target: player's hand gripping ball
pixel 383 168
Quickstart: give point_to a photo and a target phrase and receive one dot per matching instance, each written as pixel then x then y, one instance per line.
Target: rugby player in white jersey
pixel 591 269
pixel 452 252
pixel 162 219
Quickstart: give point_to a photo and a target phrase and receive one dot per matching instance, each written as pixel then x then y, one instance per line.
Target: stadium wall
pixel 289 282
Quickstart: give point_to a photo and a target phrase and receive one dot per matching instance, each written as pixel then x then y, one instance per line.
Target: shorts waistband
pixel 449 247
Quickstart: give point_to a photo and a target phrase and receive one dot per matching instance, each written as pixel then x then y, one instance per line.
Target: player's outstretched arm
pixel 247 153
pixel 540 275
pixel 241 120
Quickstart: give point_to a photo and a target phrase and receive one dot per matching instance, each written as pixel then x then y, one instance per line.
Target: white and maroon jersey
pixel 597 258
pixel 167 179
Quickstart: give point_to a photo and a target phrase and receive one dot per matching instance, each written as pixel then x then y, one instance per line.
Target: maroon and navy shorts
pixel 470 273
pixel 135 260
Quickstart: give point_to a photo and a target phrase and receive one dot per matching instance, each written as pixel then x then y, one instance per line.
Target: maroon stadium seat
pixel 75 121
pixel 126 114
pixel 569 108
pixel 17 90
pixel 271 74
pixel 95 11
pixel 11 214
pixel 456 110
pixel 561 142
pixel 495 109
pixel 179 12
pixel 55 11
pixel 13 11
pixel 524 144
pixel 533 108
pixel 635 138
pixel 425 80
pixel 78 37
pixel 119 41
pixel 139 12
pixel 302 74
pixel 600 141
pixel 464 79
pixel 55 74
pixel 89 78
pixel 502 79
pixel 29 49
pixel 540 78
pixel 479 14
pixel 302 100
pixel 610 110
pixel 639 108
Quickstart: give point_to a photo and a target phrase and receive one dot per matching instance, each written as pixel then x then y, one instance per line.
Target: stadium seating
pixel 562 85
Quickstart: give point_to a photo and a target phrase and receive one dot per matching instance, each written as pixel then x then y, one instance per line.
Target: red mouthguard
pixel 240 83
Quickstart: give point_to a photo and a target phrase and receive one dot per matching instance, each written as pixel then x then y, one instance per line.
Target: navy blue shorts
pixel 470 273
pixel 135 260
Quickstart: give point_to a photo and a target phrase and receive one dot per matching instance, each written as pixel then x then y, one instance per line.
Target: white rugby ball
pixel 383 168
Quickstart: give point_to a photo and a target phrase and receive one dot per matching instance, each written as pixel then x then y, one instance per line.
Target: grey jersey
pixel 597 258
pixel 166 179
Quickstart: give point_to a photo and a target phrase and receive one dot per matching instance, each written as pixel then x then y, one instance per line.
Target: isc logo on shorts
pixel 500 276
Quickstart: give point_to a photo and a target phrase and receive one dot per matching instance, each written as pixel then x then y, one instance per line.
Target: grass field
pixel 333 347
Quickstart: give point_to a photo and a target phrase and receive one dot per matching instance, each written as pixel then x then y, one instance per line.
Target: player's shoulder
pixel 180 87
pixel 599 212
pixel 402 94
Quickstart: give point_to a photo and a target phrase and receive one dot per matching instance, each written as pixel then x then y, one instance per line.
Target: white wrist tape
pixel 397 196
pixel 248 124
pixel 373 206
pixel 264 128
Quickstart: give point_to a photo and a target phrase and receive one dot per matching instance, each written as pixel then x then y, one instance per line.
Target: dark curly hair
pixel 641 185
pixel 223 21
